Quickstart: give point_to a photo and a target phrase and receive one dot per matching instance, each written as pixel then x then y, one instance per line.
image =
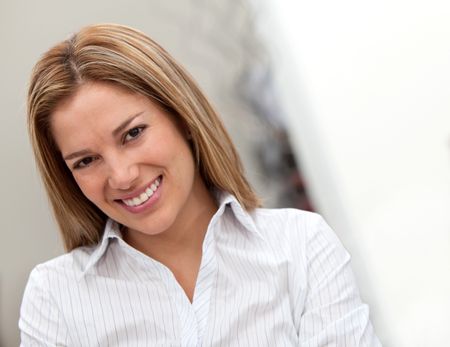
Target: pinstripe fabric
pixel 267 278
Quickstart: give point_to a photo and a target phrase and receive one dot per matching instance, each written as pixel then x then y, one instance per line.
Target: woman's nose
pixel 123 175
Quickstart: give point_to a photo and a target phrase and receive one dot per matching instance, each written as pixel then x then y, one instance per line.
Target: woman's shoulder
pixel 289 222
pixel 44 293
pixel 298 231
pixel 55 275
pixel 70 264
pixel 285 213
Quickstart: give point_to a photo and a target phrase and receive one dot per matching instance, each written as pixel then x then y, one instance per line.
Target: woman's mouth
pixel 143 197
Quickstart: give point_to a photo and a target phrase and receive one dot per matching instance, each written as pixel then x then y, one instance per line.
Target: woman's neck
pixel 185 236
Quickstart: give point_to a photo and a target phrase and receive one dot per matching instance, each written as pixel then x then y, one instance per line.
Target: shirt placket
pixel 205 282
pixel 194 316
pixel 187 318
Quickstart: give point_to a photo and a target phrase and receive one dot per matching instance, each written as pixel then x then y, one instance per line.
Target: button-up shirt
pixel 268 277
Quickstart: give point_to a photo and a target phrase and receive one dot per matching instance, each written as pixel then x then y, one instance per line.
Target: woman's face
pixel 128 156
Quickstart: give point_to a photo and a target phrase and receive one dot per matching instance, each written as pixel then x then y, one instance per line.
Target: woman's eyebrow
pixel 123 125
pixel 115 132
pixel 77 154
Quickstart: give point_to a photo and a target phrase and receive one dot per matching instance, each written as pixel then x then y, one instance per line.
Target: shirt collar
pixel 111 231
pixel 224 200
pixel 244 217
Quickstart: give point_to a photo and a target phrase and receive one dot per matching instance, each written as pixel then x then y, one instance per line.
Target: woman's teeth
pixel 139 200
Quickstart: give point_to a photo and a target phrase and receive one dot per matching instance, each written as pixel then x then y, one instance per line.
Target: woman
pixel 166 242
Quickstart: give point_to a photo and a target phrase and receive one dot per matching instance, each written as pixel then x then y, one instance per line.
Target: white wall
pixel 366 86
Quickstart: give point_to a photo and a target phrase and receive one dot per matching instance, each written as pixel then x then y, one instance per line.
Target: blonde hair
pixel 128 58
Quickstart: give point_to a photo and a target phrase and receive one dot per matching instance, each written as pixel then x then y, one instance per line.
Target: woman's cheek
pixel 88 186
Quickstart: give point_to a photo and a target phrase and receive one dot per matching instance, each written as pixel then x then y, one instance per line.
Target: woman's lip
pixel 138 192
pixel 146 205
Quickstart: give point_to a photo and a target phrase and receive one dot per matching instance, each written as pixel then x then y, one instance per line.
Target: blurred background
pixel 338 107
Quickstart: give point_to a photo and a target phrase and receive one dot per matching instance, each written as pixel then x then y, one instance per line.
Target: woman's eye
pixel 83 162
pixel 133 133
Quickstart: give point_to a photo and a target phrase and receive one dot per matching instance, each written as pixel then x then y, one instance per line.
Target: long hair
pixel 128 58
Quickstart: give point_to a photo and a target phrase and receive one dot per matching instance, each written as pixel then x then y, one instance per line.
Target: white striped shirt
pixel 267 278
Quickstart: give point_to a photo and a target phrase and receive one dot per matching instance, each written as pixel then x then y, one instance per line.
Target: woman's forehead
pixel 96 109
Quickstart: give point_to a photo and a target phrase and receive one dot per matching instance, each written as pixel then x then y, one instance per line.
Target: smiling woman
pixel 166 241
